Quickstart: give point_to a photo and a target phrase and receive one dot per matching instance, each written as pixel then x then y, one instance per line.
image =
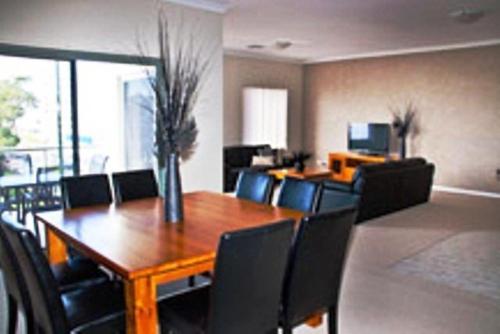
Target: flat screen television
pixel 369 138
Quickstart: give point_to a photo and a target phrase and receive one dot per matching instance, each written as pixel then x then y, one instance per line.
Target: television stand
pixel 344 164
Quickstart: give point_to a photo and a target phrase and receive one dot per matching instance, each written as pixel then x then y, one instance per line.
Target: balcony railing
pixel 21 168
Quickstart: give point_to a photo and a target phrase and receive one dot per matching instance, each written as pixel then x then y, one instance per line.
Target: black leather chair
pixel 244 297
pixel 298 194
pixel 17 293
pixel 134 184
pixel 334 196
pixel 85 190
pixel 95 309
pixel 69 275
pixel 314 271
pixel 255 186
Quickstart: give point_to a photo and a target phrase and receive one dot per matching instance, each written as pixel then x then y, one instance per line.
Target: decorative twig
pixel 176 89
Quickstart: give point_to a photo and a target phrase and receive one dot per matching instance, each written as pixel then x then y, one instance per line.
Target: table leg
pixel 140 298
pixel 56 248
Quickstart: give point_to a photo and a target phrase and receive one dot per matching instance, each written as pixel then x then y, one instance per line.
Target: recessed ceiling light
pixel 466 15
pixel 255 46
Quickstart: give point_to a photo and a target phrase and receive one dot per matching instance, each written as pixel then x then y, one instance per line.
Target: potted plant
pixel 299 158
pixel 176 88
pixel 402 124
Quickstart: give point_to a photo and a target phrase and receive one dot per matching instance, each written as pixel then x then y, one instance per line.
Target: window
pixel 63 113
pixel 35 118
pixel 115 121
pixel 265 115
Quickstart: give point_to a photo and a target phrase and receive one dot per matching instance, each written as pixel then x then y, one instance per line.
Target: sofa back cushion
pixel 391 186
pixel 241 156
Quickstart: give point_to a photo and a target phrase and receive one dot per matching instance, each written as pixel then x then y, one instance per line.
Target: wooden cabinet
pixel 343 164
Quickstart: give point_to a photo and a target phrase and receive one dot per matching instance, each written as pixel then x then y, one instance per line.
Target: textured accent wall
pixel 245 72
pixel 457 94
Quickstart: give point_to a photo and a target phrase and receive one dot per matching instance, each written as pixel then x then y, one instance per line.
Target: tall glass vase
pixel 174 209
pixel 402 148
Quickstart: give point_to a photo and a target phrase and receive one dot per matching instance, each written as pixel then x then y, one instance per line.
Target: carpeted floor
pixel 433 268
pixel 468 261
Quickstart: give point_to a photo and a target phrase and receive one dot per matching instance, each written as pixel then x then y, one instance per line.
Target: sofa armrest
pixel 332 199
pixel 345 187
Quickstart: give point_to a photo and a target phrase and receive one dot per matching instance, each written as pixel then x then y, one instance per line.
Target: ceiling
pixel 321 30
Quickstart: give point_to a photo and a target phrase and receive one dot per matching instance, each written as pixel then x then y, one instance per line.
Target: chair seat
pixel 98 308
pixel 77 273
pixel 186 312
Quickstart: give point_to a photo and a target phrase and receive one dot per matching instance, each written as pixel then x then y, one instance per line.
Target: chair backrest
pixel 249 272
pixel 19 163
pixel 15 285
pixel 255 186
pixel 48 312
pixel 298 194
pixel 314 270
pixel 134 184
pixel 52 173
pixel 85 190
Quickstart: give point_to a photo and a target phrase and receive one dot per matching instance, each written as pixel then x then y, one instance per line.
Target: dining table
pixel 134 241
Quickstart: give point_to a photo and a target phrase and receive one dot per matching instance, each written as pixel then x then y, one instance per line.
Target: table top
pixel 133 239
pixel 310 172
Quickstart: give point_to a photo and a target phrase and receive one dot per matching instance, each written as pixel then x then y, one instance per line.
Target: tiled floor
pixel 378 299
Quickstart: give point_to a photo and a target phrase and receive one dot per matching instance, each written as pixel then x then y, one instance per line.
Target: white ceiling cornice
pixel 208 5
pixel 264 57
pixel 401 52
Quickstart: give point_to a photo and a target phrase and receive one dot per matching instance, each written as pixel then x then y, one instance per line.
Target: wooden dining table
pixel 134 241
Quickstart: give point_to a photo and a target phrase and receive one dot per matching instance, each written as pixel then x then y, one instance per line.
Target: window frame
pixel 73 56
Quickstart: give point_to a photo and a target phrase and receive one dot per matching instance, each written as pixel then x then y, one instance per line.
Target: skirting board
pixel 465 191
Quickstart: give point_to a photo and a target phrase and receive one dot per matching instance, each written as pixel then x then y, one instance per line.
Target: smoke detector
pixel 466 15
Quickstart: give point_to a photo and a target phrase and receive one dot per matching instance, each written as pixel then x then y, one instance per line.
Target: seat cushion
pixel 77 273
pixel 96 309
pixel 185 313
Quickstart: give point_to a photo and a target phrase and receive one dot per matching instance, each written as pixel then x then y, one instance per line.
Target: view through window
pixel 35 118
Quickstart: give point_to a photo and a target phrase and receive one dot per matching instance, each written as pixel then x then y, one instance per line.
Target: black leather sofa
pixel 238 158
pixel 379 189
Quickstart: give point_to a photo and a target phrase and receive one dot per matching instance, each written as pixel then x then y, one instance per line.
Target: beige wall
pixel 457 94
pixel 113 27
pixel 244 72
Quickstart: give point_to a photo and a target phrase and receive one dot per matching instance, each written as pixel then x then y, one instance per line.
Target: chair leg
pixel 191 281
pixel 37 229
pixel 332 321
pixel 12 316
pixel 287 330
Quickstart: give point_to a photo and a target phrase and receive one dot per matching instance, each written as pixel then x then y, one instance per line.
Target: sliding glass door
pixel 60 117
pixel 115 122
